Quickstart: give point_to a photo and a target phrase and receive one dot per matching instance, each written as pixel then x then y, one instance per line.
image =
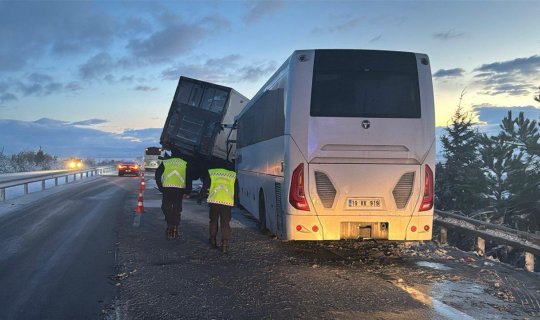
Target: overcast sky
pixel 114 66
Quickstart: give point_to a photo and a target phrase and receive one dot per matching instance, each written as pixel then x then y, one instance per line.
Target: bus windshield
pixel 152 151
pixel 369 84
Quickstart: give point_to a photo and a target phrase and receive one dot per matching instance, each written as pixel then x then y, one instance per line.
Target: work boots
pixel 225 246
pixel 213 243
pixel 172 232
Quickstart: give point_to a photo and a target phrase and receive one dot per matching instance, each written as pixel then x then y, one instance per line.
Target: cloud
pixel 340 25
pixel 74 86
pixel 96 66
pixel 150 135
pixel 52 87
pixel 492 115
pixel 511 89
pixel 165 44
pixel 197 71
pixel 49 122
pixel 65 139
pixel 38 84
pixel 134 26
pixel 254 73
pixel 375 39
pixel 89 122
pixel 229 60
pixel 515 77
pixel 449 73
pixel 221 70
pixel 175 39
pixel 145 88
pixel 257 10
pixel 99 67
pixel 32 89
pixel 38 28
pixel 6 97
pixel 448 35
pixel 530 65
pixel 34 84
pixel 40 78
pixel 4 86
pixel 127 79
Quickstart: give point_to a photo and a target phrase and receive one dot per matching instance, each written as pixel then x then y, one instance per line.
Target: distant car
pixel 128 168
pixel 74 163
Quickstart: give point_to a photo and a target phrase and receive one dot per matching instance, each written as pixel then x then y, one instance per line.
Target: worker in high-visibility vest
pixel 220 200
pixel 173 180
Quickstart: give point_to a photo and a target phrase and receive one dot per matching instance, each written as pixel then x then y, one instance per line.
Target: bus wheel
pixel 262 213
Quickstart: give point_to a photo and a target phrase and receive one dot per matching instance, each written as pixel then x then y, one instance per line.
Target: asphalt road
pixel 58 250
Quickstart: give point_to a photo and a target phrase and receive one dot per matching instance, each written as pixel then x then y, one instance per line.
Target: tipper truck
pixel 201 120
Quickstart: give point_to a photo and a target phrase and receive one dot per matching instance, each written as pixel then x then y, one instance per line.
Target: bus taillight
pixel 297 196
pixel 427 200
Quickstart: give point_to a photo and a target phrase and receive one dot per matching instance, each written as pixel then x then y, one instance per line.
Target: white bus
pixel 340 144
pixel 151 158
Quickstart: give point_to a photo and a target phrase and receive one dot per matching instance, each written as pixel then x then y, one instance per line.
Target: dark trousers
pixel 172 205
pixel 223 213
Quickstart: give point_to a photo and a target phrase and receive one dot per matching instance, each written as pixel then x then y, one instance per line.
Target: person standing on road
pixel 173 181
pixel 220 200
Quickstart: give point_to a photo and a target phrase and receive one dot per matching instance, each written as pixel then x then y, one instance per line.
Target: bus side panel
pixel 251 184
pixel 259 167
pixel 248 182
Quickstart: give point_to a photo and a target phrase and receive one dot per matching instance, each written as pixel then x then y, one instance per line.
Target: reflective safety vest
pixel 174 175
pixel 221 187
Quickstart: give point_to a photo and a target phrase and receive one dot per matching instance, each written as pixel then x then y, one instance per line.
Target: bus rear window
pixel 363 83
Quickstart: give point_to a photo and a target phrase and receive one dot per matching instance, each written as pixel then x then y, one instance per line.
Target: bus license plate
pixel 364 203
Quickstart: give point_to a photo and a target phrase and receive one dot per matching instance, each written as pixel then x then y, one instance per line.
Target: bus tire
pixel 262 213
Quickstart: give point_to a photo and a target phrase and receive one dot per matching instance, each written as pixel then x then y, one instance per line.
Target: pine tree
pixel 460 182
pixel 523 178
pixel 496 154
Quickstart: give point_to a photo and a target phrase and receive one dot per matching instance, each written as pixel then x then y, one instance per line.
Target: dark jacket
pixel 189 178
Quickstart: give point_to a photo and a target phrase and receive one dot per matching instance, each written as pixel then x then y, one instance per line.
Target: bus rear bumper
pixel 398 228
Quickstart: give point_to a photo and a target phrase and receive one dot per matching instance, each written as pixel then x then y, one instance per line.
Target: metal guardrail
pixel 25 180
pixel 481 230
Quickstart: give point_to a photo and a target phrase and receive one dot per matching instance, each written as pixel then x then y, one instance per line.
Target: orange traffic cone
pixel 140 206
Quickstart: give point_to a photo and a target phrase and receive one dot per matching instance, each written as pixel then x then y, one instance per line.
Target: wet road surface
pixel 58 249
